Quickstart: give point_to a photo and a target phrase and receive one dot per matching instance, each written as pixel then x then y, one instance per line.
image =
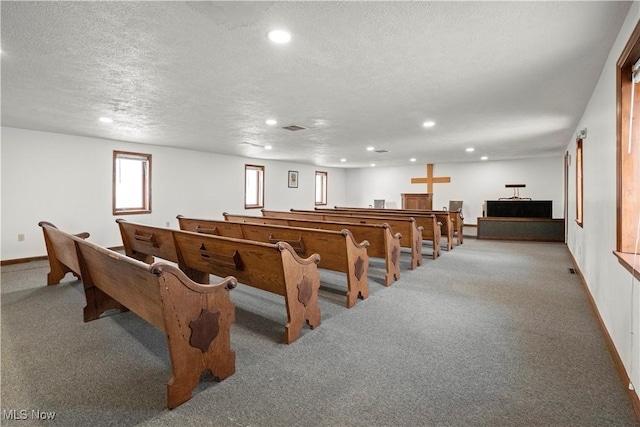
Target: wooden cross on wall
pixel 430 179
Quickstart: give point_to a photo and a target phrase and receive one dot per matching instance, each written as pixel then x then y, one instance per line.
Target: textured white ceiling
pixel 510 79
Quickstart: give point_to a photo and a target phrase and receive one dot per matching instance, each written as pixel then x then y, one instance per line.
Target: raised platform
pixel 533 229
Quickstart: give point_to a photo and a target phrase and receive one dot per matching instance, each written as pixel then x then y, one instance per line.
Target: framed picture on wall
pixel 293 179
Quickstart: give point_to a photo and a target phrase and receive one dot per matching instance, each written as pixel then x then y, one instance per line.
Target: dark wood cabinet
pixel 520 208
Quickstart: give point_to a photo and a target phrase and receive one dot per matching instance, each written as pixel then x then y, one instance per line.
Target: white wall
pixel 66 180
pixel 615 292
pixel 471 182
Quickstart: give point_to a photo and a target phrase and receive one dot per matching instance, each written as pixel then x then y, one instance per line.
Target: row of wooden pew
pixel 278 252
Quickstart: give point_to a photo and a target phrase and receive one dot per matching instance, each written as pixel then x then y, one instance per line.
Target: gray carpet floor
pixel 490 334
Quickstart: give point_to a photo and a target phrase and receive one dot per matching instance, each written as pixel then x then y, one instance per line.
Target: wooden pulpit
pixel 417 201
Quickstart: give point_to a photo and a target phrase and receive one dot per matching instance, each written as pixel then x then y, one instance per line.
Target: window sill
pixel 627 261
pixel 132 212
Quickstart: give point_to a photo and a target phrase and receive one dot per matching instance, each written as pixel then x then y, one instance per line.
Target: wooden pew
pixel 383 243
pixel 431 229
pixel 272 267
pixel 455 219
pixel 196 318
pixel 338 250
pixel 61 253
pixel 407 227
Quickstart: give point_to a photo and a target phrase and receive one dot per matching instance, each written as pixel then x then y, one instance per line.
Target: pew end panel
pixel 61 253
pixel 196 318
pixel 392 244
pixel 204 313
pixel 358 269
pixel 446 228
pixel 416 245
pixel 302 282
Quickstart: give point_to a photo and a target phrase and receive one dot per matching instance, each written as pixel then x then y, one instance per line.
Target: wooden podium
pixel 422 201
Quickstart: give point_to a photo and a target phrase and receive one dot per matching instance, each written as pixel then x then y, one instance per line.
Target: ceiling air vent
pixel 382 151
pixel 293 128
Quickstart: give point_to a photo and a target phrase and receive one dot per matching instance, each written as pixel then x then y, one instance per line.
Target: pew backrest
pixel 407 227
pixel 454 224
pixel 383 242
pixel 272 267
pixel 338 250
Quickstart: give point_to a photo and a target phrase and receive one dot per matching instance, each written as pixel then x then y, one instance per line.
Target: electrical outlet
pixel 20 237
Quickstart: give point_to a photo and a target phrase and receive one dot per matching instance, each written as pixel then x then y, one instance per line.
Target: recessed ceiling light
pixel 343 160
pixel 483 158
pixel 470 149
pixel 106 120
pixel 279 36
pixel 412 159
pixel 370 148
pixel 271 122
pixel 373 165
pixel 429 124
pixel 268 147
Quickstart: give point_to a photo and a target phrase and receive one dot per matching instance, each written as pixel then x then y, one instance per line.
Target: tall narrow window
pixel 579 182
pixel 131 183
pixel 628 153
pixel 321 188
pixel 253 186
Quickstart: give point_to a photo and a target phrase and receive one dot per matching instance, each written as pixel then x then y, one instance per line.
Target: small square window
pixel 253 187
pixel 321 188
pixel 131 183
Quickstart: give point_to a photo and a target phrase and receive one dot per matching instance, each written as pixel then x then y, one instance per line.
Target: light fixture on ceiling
pixel 279 36
pixel 268 147
pixel 271 122
pixel 106 119
pixel 370 148
pixel 484 158
pixel 293 128
pixel 413 159
pixel 470 150
pixel 373 165
pixel 343 160
pixel 429 124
